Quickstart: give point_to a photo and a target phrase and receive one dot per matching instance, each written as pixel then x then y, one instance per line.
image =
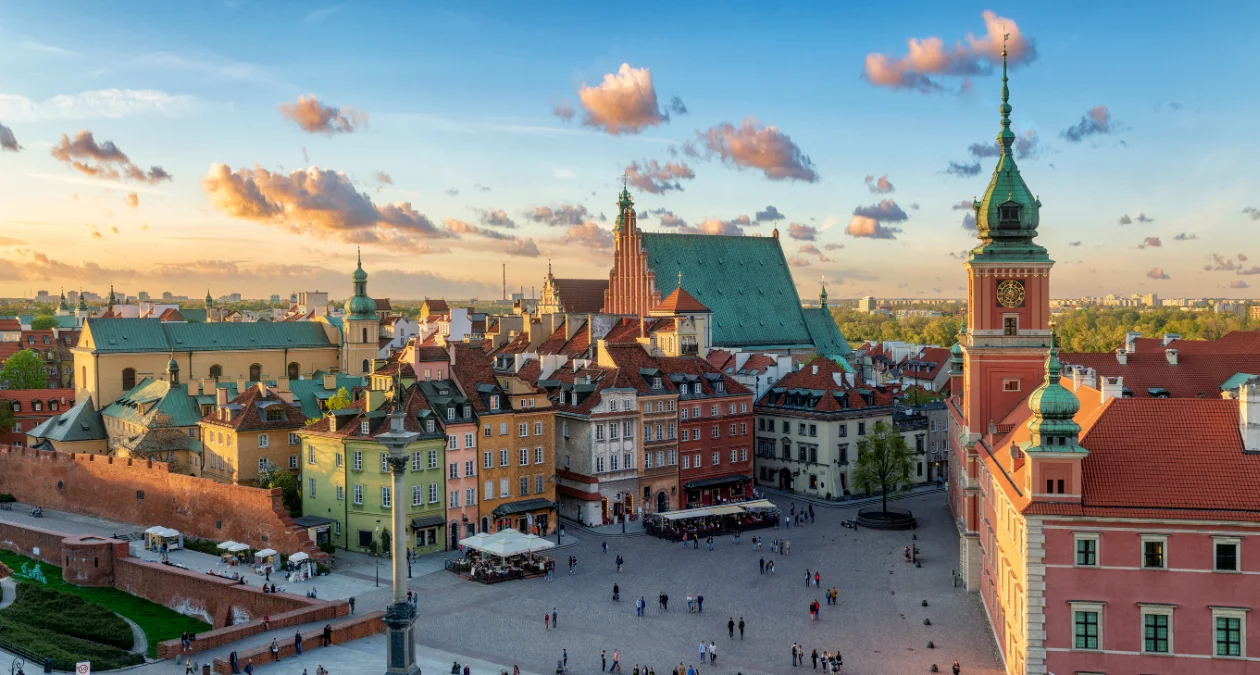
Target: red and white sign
pixel 83 668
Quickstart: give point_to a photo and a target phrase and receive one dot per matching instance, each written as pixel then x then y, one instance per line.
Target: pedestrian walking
pixel 700 603
pixel 249 667
pixel 741 628
pixel 814 657
pixel 275 650
pixel 546 621
pixel 352 604
pixel 907 555
pixel 660 601
pixel 684 540
pixel 787 547
pixel 327 634
pixel 605 547
pixel 704 652
pixel 730 627
pixel 794 654
pixel 234 662
pixel 695 543
pixel 817 579
pixel 807 577
pixel 957 668
pixel 763 565
pixel 555 618
pixel 712 653
pixel 297 642
pixel 709 541
pixel 603 660
pixel 620 560
pixel 616 661
pixel 811 513
pixel 665 599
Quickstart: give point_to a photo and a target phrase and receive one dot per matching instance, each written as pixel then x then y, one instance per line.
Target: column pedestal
pixel 400 642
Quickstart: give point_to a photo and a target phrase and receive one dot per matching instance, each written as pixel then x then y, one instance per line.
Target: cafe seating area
pixel 503 556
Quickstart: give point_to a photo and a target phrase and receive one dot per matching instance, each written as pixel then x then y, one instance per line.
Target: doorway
pixel 785 479
pixel 662 502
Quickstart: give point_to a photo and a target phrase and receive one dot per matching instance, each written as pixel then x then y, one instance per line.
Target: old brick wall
pixel 25 540
pixel 217 601
pixel 345 631
pixel 211 639
pixel 146 493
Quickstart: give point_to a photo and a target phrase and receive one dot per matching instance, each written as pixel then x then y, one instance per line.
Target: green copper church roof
pixel 155 403
pixel 745 281
pixel 826 335
pixel 152 335
pixel 1053 408
pixel 1008 214
pixel 79 423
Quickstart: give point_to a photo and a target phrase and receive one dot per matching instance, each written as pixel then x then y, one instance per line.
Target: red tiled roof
pixel 391 367
pixel 579 344
pixel 172 314
pixel 566 491
pixel 721 359
pixel 681 302
pixel 630 359
pixel 10 324
pixel 8 349
pixel 806 378
pixel 1198 371
pixel 382 304
pixel 25 396
pixel 582 296
pixel 694 365
pixel 757 364
pixel 530 370
pixel 431 354
pixel 248 417
pixel 436 306
pixel 936 356
pixel 553 342
pixel 472 367
pixel 517 345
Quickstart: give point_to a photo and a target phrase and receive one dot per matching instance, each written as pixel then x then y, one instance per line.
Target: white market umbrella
pixel 299 557
pixel 227 545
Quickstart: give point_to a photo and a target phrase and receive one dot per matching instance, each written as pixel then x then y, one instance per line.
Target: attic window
pixel 275 415
pixel 656 383
pixel 719 386
pixel 494 402
pixel 363 427
pixel 428 426
pixel 450 413
pixel 467 411
pixel 1008 214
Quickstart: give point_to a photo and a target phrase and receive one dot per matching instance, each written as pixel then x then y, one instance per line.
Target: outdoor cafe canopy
pixel 506 543
pixel 227 545
pixel 718 510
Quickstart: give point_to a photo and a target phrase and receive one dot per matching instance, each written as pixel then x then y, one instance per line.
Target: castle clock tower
pixel 1007 333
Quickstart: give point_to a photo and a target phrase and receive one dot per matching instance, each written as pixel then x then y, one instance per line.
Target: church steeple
pixel 209 300
pixel 112 298
pixel 822 297
pixel 63 307
pixel 82 302
pixel 1008 214
pixel 360 306
pixel 1052 428
pixel 625 210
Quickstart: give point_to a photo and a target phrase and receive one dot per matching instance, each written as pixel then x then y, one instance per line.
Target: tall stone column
pixel 400 617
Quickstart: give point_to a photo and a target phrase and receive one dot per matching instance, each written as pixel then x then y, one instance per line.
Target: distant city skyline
pixel 214 146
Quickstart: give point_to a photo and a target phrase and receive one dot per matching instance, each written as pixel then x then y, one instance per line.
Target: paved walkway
pixel 8 588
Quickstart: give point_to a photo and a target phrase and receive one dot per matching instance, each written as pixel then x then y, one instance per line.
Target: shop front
pixel 428 533
pixel 318 529
pixel 716 490
pixel 530 516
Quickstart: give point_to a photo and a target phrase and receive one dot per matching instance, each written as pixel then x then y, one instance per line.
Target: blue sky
pixel 457 96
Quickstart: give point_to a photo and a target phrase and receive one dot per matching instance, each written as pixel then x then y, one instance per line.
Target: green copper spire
pixel 360 306
pixel 624 202
pixel 822 297
pixel 1008 214
pixel 1053 428
pixel 209 300
pixel 82 301
pixel 63 306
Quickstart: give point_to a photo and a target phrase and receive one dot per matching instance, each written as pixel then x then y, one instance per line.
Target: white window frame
pixel 453 470
pixel 1075 607
pixel 538 427
pixel 488 490
pixel 470 468
pixel 1236 542
pixel 312 495
pixel 453 499
pixel 505 489
pixel 415 461
pixel 358 494
pixel 470 440
pixel 1239 613
pixel 522 429
pixel 341 493
pixel 293 462
pixel 434 495
pixel 293 439
pixel 1160 610
pixel 387 497
pixel 1163 540
pixel 503 457
pixel 417 495
pixel 538 455
pixel 364 427
pixel 433 459
pixel 487 460
pixel 523 457
pixel 1092 536
pixel 358 460
pixel 470 496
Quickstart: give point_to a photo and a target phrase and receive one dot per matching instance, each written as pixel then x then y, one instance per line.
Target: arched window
pixel 365 365
pixel 216 371
pixel 364 335
pixel 255 373
pixel 294 370
pixel 128 379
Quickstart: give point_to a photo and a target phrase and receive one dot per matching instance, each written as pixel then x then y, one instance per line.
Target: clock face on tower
pixel 1010 293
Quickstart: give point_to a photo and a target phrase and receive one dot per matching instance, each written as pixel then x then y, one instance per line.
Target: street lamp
pixel 400 617
pixel 377 539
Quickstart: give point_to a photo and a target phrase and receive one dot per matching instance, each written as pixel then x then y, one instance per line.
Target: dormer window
pixel 656 383
pixel 1008 214
pixel 494 402
pixel 467 411
pixel 450 413
pixel 364 427
pixel 719 386
pixel 37 406
pixel 428 426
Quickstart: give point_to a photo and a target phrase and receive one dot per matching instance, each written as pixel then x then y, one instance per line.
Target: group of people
pixel 703 527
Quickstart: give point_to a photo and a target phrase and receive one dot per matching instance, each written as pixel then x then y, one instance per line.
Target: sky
pixel 252 147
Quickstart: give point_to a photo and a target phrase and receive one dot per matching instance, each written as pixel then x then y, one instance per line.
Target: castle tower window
pixel 1008 214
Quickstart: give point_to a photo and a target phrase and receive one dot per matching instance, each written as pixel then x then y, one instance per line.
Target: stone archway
pixel 785 479
pixel 662 502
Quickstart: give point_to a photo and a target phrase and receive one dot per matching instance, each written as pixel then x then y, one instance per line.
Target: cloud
pixel 133 200
pixel 524 247
pixel 1141 218
pixel 113 229
pixel 104 160
pixel 1126 220
pixel 669 218
pixel 385 281
pixel 1157 273
pixel 318 118
pixel 565 214
pixel 563 110
pixel 32 265
pixel 460 227
pixel 752 145
pixel 1074 243
pixel 677 106
pixel 1239 284
pixel 832 247
pixel 714 226
pixel 879 186
pixel 797 261
pixel 451 192
pixel 802 232
pixel 969 221
pixel 886 210
pixel 1027 145
pixel 814 250
pixel 481 188
pixel 956 255
pixel 624 103
pixel 861 226
pixel 8 142
pixel 963 170
pixel 96 104
pixel 590 235
pixel 495 218
pixel 929 61
pixel 1250 271
pixel 318 202
pixel 657 178
pixel 1185 237
pixel 1151 242
pixel 1253 212
pixel 1219 263
pixel 770 215
pixel 384 178
pixel 1096 120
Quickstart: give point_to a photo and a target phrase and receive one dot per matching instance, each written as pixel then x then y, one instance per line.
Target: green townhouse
pixel 346 483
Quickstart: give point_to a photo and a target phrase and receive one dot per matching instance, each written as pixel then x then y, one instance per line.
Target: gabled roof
pixel 310 392
pixel 431 354
pixel 926 365
pixel 63 397
pixel 640 370
pixel 78 423
pixel 152 335
pixel 172 314
pixel 436 305
pixel 745 281
pixel 474 370
pixel 1202 366
pixel 250 412
pixel 828 340
pixel 581 296
pixel 680 302
pixel 10 324
pixel 823 390
pixel 155 403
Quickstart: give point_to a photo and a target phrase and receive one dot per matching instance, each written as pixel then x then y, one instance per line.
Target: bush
pixel 327 547
pixel 65 651
pixel 68 615
pixel 202 545
pixel 6 498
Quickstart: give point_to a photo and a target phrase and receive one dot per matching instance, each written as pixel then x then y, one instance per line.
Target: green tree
pixel 341 401
pixel 24 370
pixel 884 462
pixel 44 322
pixel 6 415
pixel 288 484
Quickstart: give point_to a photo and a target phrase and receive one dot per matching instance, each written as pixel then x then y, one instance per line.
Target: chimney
pixel 813 370
pixel 1169 338
pixel 1249 416
pixel 1122 357
pixel 330 381
pixel 1078 377
pixel 1130 341
pixel 262 388
pixel 221 397
pixel 282 384
pixel 240 384
pixel 1111 387
pixel 1171 355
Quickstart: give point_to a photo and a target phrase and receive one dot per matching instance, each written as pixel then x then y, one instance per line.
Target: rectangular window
pixel 503 488
pixel 454 499
pixel 470 468
pixel 522 429
pixel 660 405
pixel 341 493
pixel 336 460
pixel 452 442
pixel 488 489
pixel 1230 631
pixel 417 498
pixel 485 431
pixel 671 405
pixel 734 456
pixel 1226 554
pixel 358 494
pixel 293 439
pixel 358 460
pixel 538 455
pixel 433 459
pixel 312 486
pixel 717 456
pixel 1086 550
pixel 743 407
pixel 614 463
pixel 310 454
pixel 713 431
pixel 696 461
pixel 263 464
pixel 647 460
pixel 671 431
pixel 627 430
pixel 1085 629
pixel 1010 384
pixel 454 470
pixel 470 496
pixel 1157 630
pixel 503 457
pixel 293 461
pixel 487 460
pixel 683 414
pixel 613 430
pixel 695 412
pixel 524 486
pixel 743 454
pixel 599 432
pixel 861 428
pixel 1010 326
pixel 384 462
pixel 673 457
pixel 524 457
pixel 1153 552
pixel 537 428
pixel 415 461
pixel 503 428
pixel 538 484
pixel 385 497
pixel 433 493
pixel 599 465
pixel 743 429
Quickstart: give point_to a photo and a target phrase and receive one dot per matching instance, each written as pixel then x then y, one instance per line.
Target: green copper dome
pixel 82 301
pixel 1008 214
pixel 1053 428
pixel 63 305
pixel 360 306
pixel 956 358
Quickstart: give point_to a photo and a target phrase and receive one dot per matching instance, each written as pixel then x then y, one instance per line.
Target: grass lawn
pixel 158 623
